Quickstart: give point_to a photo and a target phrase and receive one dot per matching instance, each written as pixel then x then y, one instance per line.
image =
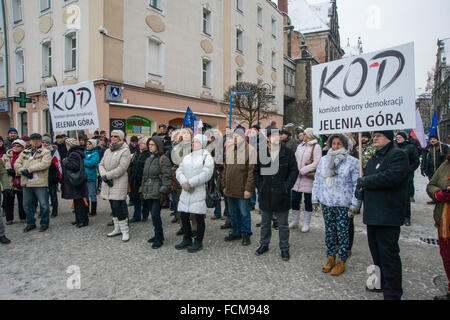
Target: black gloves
pixel 359 191
pixel 26 173
pixel 108 182
pixel 11 172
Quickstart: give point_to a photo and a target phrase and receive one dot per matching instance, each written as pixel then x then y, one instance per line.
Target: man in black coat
pixel 433 156
pixel 275 180
pixel 384 190
pixel 414 162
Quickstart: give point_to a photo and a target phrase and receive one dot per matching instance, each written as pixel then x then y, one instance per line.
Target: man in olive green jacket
pixel 6 187
pixel 238 183
pixel 33 165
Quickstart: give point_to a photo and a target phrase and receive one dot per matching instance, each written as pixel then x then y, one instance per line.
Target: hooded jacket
pixel 304 154
pixel 91 161
pixel 114 166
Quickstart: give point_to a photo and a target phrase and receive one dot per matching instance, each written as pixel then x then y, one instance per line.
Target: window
pixel 46 59
pixel 239 5
pixel 23 123
pixel 47 120
pixel 239 76
pixel 155 56
pixel 239 40
pixel 260 53
pixel 2 72
pixel 19 66
pixel 274 63
pixel 17 10
pixel 206 79
pixel 274 27
pixel 156 4
pixel 259 16
pixel 207 21
pixel 71 52
pixel 44 5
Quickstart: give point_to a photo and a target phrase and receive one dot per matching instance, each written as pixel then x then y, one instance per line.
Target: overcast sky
pixel 387 23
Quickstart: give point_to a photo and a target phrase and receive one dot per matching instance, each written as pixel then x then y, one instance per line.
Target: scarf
pixel 15 157
pixel 116 146
pixel 335 158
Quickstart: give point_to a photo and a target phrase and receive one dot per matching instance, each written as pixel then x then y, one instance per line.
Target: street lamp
pixel 269 96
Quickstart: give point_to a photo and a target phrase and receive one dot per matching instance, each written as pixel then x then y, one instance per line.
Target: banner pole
pixel 360 154
pixel 231 104
pixel 439 137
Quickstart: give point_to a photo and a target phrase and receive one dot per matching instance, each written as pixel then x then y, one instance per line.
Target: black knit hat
pixel 433 136
pixel 402 134
pixel 367 135
pixel 387 133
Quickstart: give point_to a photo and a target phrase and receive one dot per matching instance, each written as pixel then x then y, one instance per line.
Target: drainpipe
pixel 5 36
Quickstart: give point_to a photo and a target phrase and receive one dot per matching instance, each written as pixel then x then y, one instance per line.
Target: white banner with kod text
pixel 373 91
pixel 73 107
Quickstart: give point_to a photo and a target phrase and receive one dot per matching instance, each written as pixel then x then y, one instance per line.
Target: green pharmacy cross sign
pixel 22 99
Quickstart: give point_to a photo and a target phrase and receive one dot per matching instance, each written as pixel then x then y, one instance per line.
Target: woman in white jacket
pixel 193 173
pixel 334 188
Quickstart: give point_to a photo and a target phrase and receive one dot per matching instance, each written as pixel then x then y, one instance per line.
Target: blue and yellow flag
pixel 434 125
pixel 189 118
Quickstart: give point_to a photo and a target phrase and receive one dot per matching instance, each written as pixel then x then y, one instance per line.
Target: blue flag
pixel 434 125
pixel 189 118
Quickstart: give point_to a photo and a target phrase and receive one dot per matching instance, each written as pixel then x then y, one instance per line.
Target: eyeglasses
pixel 152 144
pixel 115 137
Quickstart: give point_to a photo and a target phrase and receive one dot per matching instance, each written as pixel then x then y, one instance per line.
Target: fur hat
pixel 46 139
pixel 71 142
pixel 118 133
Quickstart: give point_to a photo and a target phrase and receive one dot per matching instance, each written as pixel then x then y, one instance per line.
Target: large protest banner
pixel 73 107
pixel 367 92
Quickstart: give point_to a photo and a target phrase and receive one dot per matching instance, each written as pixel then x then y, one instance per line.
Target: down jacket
pixel 342 192
pixel 91 162
pixel 303 155
pixel 8 162
pixel 196 168
pixel 439 182
pixel 72 162
pixel 36 164
pixel 114 166
pixel 156 164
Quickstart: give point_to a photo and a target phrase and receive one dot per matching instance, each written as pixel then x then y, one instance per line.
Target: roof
pixel 309 16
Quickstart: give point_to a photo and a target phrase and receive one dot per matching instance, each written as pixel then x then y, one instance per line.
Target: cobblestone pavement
pixel 34 265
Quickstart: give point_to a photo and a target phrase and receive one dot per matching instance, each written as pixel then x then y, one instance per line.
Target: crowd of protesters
pixel 174 168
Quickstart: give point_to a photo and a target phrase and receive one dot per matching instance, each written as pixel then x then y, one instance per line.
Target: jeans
pixel 92 191
pixel 156 218
pixel 240 216
pixel 218 210
pixel 9 206
pixel 297 199
pixel 53 192
pixel 385 251
pixel 226 211
pixel 141 209
pixel 283 225
pixel 32 196
pixel 253 198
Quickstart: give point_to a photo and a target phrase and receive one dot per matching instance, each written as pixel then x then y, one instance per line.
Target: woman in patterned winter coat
pixel 334 189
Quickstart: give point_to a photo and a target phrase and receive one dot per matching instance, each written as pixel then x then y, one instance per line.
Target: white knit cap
pixel 93 142
pixel 21 142
pixel 309 132
pixel 118 133
pixel 202 139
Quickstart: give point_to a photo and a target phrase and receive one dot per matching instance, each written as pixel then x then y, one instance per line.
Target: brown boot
pixel 111 223
pixel 330 264
pixel 339 268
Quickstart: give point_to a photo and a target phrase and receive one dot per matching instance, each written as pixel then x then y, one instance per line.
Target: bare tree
pixel 246 107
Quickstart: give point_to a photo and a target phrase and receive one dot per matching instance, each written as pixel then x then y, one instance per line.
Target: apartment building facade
pixel 158 56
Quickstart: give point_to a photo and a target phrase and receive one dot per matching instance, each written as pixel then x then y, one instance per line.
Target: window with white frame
pixel 274 27
pixel 156 4
pixel 155 57
pixel 206 73
pixel 240 5
pixel 260 52
pixel 259 16
pixel 70 59
pixel 207 21
pixel 44 5
pixel 239 40
pixel 46 49
pixel 19 66
pixel 23 123
pixel 17 10
pixel 2 72
pixel 274 60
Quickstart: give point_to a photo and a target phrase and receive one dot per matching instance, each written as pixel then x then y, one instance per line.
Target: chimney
pixel 283 5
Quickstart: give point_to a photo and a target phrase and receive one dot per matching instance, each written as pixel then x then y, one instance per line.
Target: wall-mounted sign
pixel 113 93
pixel 4 106
pixel 117 124
pixel 138 126
pixel 22 99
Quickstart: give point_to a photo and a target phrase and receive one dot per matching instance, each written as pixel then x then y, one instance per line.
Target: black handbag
pixel 77 178
pixel 213 196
